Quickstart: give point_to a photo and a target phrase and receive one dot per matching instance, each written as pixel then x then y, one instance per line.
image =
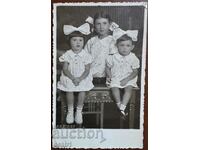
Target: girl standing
pixel 100 46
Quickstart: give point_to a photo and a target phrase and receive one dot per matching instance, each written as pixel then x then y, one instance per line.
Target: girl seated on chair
pixel 76 75
pixel 121 68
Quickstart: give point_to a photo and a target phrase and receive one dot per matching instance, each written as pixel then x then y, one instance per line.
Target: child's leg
pixel 70 99
pixel 70 104
pixel 116 95
pixel 81 98
pixel 126 97
pixel 79 108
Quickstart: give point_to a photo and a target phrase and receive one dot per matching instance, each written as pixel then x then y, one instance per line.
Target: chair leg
pixel 102 115
pixel 132 110
pixel 63 110
pixel 62 113
pixel 97 106
pixel 97 119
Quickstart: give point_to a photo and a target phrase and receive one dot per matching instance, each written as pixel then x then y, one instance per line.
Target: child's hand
pixel 108 80
pixel 124 82
pixel 76 81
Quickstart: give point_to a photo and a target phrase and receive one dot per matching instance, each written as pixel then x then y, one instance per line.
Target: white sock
pixel 70 108
pixel 122 107
pixel 118 105
pixel 79 108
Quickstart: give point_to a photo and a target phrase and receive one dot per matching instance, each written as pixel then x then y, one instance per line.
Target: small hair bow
pixel 84 29
pixel 117 33
pixel 113 26
pixel 90 20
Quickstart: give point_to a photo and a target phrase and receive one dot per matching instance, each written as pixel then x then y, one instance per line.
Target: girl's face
pixel 125 47
pixel 102 26
pixel 76 43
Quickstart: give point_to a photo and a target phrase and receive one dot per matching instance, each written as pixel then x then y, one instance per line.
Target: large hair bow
pixel 117 33
pixel 84 29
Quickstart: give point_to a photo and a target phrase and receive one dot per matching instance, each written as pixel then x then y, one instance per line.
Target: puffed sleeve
pixel 87 47
pixel 135 62
pixel 87 59
pixel 64 58
pixel 113 48
pixel 109 61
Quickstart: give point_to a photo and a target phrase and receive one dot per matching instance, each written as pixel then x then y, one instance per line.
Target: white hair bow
pixel 117 33
pixel 84 29
pixel 90 20
pixel 113 26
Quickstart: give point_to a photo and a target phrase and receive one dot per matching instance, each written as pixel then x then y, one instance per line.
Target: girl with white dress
pixel 100 46
pixel 76 75
pixel 122 68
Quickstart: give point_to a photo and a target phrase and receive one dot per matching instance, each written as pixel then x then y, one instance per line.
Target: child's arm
pixel 108 73
pixel 130 77
pixel 85 73
pixel 109 65
pixel 87 47
pixel 66 71
pixel 68 74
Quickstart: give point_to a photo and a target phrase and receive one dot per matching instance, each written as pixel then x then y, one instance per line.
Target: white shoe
pixel 78 117
pixel 123 113
pixel 70 117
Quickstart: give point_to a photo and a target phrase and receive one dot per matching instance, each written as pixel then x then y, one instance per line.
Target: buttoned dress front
pixel 122 67
pixel 76 66
pixel 99 50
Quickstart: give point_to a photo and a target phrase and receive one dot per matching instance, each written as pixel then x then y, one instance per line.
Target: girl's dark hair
pixel 75 34
pixel 125 37
pixel 102 15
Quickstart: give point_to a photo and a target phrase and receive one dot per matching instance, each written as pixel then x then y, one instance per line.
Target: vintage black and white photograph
pixel 98 66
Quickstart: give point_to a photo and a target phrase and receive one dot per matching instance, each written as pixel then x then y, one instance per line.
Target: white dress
pixel 122 67
pixel 76 67
pixel 100 49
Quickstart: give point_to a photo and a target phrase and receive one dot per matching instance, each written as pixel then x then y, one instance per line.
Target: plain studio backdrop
pixel 127 17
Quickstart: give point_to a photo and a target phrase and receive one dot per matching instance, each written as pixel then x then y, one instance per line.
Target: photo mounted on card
pixel 98 74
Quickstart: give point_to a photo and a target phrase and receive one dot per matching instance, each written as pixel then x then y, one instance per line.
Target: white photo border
pixel 110 138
